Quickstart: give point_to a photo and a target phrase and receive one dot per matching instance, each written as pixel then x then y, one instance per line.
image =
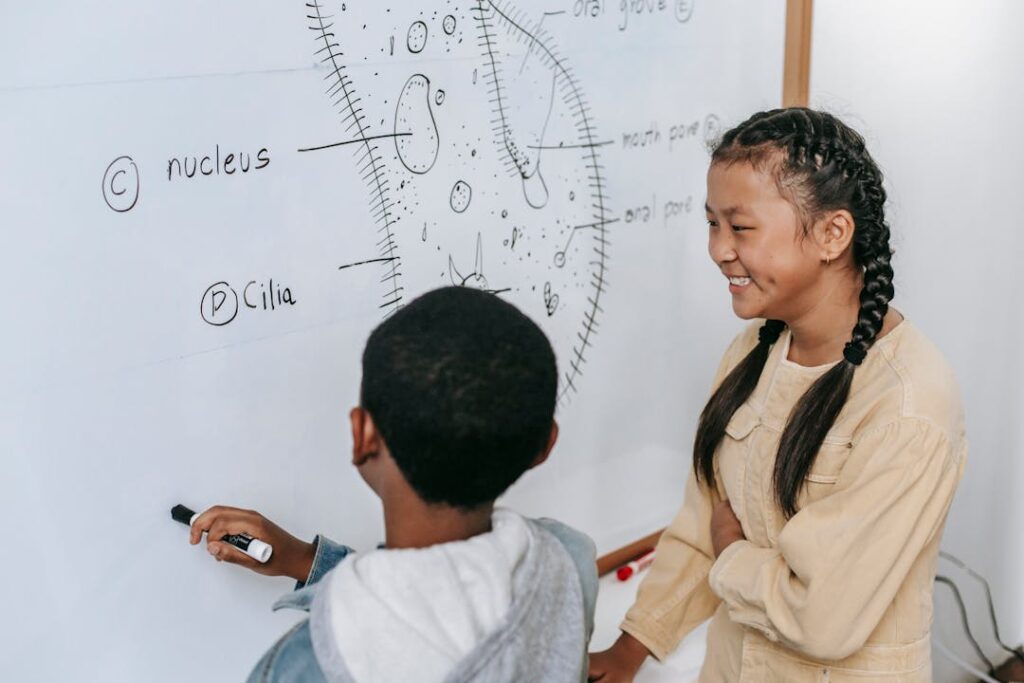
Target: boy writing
pixel 457 402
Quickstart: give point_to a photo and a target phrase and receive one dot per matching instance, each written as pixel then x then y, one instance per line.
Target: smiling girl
pixel 827 457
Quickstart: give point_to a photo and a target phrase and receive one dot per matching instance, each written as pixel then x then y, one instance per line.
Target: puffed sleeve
pixel 840 561
pixel 675 597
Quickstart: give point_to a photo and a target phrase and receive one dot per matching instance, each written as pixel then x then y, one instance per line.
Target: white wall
pixel 936 88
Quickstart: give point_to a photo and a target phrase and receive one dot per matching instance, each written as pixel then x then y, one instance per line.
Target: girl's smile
pixel 738 283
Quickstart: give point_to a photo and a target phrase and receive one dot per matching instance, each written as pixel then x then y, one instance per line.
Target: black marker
pixel 253 547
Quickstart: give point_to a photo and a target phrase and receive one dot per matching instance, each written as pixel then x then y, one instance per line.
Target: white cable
pixel 955 658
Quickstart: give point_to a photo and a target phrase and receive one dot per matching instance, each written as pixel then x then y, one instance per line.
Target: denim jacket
pixel 292 658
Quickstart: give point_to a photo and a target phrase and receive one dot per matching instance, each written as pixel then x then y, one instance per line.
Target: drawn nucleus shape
pixel 416 137
pixel 449 24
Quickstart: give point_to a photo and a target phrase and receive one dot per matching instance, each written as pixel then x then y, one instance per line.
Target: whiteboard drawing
pixel 469 120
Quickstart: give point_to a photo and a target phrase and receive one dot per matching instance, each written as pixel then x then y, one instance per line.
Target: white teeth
pixel 739 281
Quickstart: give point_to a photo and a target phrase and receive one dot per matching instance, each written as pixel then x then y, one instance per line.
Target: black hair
pixel 820 165
pixel 462 387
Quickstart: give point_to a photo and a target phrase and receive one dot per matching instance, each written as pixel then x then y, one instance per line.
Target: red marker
pixel 636 566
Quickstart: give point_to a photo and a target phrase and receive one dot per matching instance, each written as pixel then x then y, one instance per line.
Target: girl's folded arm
pixel 840 561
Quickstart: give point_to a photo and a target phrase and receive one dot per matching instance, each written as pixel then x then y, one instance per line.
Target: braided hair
pixel 820 165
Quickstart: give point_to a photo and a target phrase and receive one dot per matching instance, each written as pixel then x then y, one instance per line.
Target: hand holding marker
pixel 254 548
pixel 289 556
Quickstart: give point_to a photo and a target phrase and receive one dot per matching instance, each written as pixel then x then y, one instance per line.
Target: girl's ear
pixel 833 234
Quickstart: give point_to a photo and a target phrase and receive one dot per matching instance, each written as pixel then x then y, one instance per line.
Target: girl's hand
pixel 725 527
pixel 291 557
pixel 619 663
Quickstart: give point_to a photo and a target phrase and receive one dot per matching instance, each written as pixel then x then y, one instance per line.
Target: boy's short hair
pixel 462 387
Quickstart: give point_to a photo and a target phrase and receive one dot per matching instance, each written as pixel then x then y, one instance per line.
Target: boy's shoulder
pixel 546 614
pixel 580 546
pixel 290 659
pixel 583 552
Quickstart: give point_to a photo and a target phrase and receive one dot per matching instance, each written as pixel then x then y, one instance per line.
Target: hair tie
pixel 854 353
pixel 769 332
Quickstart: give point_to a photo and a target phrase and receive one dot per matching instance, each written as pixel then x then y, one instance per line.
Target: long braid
pixel 872 249
pixel 826 167
pixel 734 390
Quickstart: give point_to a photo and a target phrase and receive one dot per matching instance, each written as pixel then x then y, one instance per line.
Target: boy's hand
pixel 725 527
pixel 619 663
pixel 291 557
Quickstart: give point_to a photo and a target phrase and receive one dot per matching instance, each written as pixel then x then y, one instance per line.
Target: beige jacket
pixel 843 590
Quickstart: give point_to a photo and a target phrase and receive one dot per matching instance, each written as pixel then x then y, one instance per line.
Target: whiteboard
pixel 208 206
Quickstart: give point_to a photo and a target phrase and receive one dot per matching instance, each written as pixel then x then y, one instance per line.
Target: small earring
pixel 828 260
